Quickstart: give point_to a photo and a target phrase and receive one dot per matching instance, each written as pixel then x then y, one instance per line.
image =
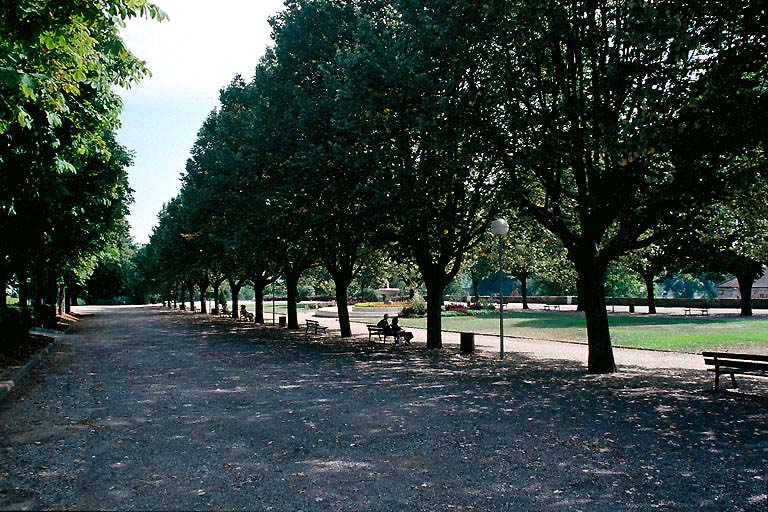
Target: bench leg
pixel 733 381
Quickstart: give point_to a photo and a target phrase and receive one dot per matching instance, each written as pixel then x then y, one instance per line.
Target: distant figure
pixel 245 314
pixel 401 335
pixel 385 327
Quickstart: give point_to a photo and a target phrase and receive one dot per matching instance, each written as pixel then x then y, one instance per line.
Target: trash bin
pixel 467 342
pixel 282 321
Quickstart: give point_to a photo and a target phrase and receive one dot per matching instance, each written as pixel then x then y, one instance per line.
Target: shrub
pixel 418 305
pixel 14 330
pixel 45 315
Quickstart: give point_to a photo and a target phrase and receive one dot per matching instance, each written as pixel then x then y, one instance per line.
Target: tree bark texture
pixel 23 291
pixel 745 289
pixel 343 309
pixel 216 298
pixel 204 295
pixel 434 314
pixel 292 289
pixel 651 293
pixel 258 289
pixel 192 297
pixel 235 287
pixel 259 298
pixel 523 276
pixel 592 300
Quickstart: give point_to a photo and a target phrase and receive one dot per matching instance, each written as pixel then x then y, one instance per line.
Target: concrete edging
pixel 7 386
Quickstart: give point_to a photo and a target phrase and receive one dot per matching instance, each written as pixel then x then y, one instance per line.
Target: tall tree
pixel 418 75
pixel 597 104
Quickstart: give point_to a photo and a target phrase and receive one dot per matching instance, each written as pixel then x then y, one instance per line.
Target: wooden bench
pixel 552 307
pixel 378 331
pixel 700 311
pixel 731 363
pixel 314 327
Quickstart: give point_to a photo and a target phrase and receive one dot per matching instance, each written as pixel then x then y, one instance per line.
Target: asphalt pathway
pixel 149 409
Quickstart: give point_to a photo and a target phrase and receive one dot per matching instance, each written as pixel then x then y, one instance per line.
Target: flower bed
pixel 383 305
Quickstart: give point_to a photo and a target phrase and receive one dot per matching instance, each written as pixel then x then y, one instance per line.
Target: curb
pixel 7 386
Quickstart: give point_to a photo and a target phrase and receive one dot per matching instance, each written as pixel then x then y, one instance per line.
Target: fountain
pixel 388 292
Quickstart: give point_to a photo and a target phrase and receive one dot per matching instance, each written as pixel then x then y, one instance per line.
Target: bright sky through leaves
pixel 191 57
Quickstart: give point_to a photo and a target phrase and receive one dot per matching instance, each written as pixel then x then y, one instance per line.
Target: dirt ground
pixel 144 408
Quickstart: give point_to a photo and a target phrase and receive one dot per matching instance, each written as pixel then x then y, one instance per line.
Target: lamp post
pixel 500 228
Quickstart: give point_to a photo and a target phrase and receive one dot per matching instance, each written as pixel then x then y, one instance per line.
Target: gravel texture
pixel 143 408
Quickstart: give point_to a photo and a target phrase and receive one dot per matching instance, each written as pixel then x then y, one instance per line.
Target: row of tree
pixel 63 185
pixel 402 128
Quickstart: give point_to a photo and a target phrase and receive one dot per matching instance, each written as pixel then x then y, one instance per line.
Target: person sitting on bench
pixel 401 335
pixel 245 314
pixel 386 329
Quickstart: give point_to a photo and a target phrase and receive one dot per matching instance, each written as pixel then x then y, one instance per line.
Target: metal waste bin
pixel 467 342
pixel 282 321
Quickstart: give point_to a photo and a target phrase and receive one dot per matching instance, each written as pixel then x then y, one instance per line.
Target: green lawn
pixel 685 334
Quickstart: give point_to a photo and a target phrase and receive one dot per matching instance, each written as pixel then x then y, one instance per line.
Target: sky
pixel 192 56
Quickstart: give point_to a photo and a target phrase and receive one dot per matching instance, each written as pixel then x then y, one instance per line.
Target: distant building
pixel 730 289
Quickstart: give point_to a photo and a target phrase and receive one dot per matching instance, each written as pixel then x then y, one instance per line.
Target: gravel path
pixel 149 409
pixel 544 349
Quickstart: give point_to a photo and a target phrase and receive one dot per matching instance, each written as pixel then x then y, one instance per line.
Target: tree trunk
pixel 258 314
pixel 23 291
pixel 258 289
pixel 73 291
pixel 5 276
pixel 292 289
pixel 216 284
pixel 51 289
pixel 192 297
pixel 61 298
pixel 434 312
pixel 651 292
pixel 579 293
pixel 235 287
pixel 524 288
pixel 341 303
pixel 204 284
pixel 476 289
pixel 183 297
pixel 37 282
pixel 745 289
pixel 592 300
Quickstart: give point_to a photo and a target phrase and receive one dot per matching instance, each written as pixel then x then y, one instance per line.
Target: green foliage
pixel 689 286
pixel 364 113
pixel 64 192
pixel 45 315
pixel 418 305
pixel 620 282
pixel 14 330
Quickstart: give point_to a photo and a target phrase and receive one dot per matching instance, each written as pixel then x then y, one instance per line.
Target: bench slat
pixel 744 365
pixel 723 356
